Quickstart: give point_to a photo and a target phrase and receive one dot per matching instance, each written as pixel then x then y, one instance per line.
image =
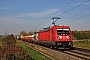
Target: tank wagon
pixel 28 38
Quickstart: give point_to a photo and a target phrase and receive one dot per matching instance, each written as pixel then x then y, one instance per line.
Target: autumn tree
pixel 80 35
pixel 30 33
pixel 23 33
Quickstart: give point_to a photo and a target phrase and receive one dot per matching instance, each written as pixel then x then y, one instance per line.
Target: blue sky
pixel 30 15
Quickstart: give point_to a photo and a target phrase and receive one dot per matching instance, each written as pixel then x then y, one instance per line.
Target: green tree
pixel 80 35
pixel 23 33
pixel 74 38
pixel 30 33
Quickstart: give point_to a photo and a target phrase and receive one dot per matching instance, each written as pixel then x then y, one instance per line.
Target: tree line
pixel 26 33
pixel 80 35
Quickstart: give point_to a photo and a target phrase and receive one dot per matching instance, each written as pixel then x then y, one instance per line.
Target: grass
pixel 82 44
pixel 34 54
pixel 1 39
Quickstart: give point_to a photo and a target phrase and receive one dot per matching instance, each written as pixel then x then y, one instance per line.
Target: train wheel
pixel 71 48
pixel 51 46
pixel 54 47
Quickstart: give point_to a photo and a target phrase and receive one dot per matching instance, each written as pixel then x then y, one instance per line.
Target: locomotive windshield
pixel 63 31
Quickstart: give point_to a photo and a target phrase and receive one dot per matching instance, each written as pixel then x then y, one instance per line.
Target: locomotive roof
pixel 45 29
pixel 61 26
pixel 48 28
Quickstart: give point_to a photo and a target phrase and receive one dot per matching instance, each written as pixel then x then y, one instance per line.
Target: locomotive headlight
pixel 59 37
pixel 68 37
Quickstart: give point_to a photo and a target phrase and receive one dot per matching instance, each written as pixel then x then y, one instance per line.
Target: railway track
pixel 84 50
pixel 78 54
pixel 61 54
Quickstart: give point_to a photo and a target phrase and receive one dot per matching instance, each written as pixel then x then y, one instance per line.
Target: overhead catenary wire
pixel 76 19
pixel 74 7
pixel 63 7
pixel 54 14
pixel 78 13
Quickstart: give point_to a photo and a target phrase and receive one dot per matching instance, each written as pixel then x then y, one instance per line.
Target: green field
pixel 82 44
pixel 34 54
pixel 0 43
pixel 1 39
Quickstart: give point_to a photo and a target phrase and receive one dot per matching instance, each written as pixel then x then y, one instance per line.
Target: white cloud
pixel 43 14
pixel 4 8
pixel 22 18
pixel 7 7
pixel 22 3
pixel 9 20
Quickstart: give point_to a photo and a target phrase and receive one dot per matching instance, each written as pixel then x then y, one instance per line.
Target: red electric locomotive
pixel 56 36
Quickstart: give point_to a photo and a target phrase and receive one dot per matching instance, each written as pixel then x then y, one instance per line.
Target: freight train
pixel 55 37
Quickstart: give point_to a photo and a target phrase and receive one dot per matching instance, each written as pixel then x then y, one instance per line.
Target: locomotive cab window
pixel 63 31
